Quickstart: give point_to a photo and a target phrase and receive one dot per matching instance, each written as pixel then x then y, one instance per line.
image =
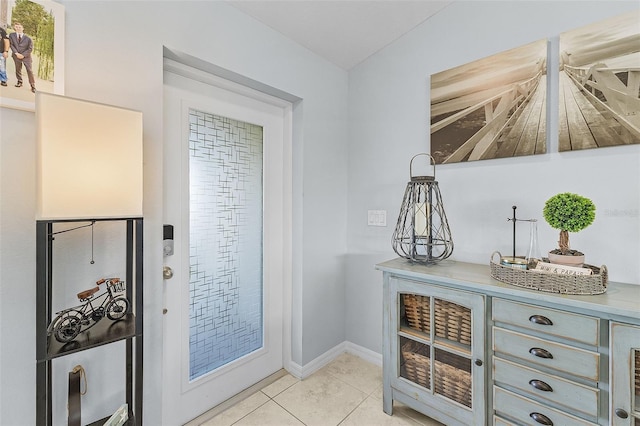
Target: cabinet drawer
pixel 523 410
pixel 497 421
pixel 574 396
pixel 568 359
pixel 581 328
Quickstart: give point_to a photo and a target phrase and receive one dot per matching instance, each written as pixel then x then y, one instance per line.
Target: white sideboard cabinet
pixel 466 349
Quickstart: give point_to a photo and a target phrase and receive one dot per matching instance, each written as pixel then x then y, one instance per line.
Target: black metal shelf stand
pixel 128 329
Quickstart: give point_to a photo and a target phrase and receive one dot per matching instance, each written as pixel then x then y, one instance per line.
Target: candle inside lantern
pixel 421 224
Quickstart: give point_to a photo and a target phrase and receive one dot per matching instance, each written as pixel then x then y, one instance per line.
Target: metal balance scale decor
pixel 422 233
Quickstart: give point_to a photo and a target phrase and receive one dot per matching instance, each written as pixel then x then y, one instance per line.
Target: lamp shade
pixel 89 159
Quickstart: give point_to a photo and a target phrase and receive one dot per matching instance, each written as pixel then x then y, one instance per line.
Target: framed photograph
pixel 491 108
pixel 599 99
pixel 42 24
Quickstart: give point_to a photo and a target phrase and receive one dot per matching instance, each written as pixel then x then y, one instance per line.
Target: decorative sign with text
pixel 561 269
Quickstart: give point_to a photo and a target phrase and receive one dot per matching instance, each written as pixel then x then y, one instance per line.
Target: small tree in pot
pixel 569 213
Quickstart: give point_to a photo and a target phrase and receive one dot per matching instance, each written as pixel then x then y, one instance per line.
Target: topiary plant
pixel 569 213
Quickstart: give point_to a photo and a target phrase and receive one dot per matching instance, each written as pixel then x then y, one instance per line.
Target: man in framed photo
pixel 21 48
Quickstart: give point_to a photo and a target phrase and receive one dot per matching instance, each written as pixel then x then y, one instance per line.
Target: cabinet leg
pixel 387 401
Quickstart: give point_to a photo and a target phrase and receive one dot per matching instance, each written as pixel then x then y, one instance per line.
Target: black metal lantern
pixel 422 233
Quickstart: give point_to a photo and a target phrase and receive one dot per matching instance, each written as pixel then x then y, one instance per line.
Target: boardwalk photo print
pixel 491 108
pixel 600 84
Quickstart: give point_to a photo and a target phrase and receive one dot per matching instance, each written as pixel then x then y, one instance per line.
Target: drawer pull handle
pixel 541 418
pixel 540 385
pixel 541 320
pixel 541 353
pixel 621 413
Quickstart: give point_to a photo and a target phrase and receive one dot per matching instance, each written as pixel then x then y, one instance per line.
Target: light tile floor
pixel 346 392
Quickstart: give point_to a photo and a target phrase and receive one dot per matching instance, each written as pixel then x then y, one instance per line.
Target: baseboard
pixel 294 369
pixel 364 353
pixel 302 372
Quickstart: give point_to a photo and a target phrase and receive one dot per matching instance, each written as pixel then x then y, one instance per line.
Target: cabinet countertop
pixel 620 302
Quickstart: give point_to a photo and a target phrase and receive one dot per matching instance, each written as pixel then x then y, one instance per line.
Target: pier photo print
pixel 491 108
pixel 599 84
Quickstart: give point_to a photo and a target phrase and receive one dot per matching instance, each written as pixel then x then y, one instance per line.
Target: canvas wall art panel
pixel 35 57
pixel 599 84
pixel 491 108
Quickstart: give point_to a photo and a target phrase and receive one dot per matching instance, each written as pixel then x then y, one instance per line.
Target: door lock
pixel 167 240
pixel 167 273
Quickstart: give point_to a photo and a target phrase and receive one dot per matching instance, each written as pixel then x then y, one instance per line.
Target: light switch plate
pixel 377 217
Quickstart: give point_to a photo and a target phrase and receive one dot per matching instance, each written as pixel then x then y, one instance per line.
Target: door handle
pixel 167 273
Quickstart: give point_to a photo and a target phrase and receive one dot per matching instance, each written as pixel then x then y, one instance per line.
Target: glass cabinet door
pixel 625 375
pixel 435 345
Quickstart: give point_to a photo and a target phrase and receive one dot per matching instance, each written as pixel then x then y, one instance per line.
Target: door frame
pixel 184 70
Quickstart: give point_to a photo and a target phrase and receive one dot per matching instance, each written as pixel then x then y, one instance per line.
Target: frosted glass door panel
pixel 226 240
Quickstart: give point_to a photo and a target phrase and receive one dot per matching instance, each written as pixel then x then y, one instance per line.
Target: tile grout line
pixel 293 415
pixel 366 396
pixel 276 402
pixel 251 411
pixel 352 411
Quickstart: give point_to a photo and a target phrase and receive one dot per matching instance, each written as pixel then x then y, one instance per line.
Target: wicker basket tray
pixel 596 283
pixel 449 381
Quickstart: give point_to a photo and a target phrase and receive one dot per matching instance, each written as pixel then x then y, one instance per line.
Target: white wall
pixel 114 56
pixel 388 123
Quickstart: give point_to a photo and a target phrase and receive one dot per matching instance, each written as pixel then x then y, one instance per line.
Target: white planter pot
pixel 560 259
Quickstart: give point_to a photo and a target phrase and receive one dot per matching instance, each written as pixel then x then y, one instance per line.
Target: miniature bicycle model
pixel 69 322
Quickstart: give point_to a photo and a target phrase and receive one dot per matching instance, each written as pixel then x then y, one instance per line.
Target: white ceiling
pixel 345 32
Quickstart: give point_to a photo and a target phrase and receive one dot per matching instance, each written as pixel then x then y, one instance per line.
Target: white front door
pixel 226 193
